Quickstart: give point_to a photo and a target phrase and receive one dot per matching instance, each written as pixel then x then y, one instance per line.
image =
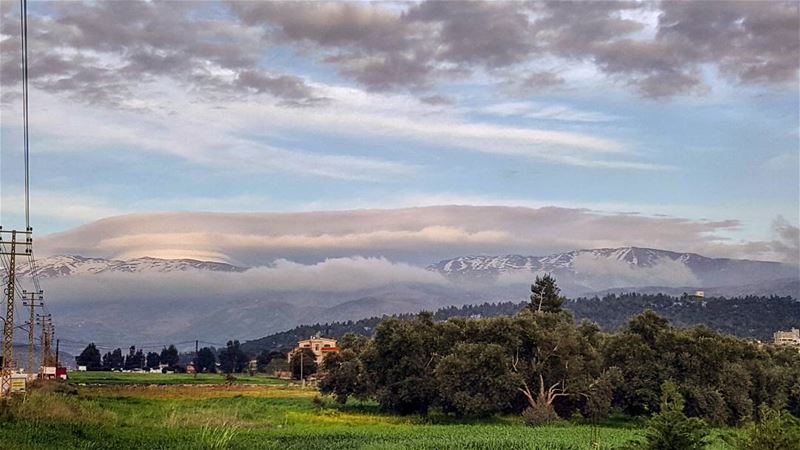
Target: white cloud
pixel 420 235
pixel 240 134
pixel 533 110
pixel 602 273
pixel 336 275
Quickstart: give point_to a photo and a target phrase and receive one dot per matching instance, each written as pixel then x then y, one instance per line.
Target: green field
pixel 177 416
pixel 119 378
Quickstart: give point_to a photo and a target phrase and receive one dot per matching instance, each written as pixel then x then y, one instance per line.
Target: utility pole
pixel 58 342
pixel 31 300
pixel 46 324
pixel 196 354
pixel 301 368
pixel 20 244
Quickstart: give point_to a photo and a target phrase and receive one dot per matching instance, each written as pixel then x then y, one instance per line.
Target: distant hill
pixel 783 287
pixel 21 356
pixel 365 327
pixel 753 317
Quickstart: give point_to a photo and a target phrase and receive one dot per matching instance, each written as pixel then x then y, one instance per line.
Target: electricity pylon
pixel 32 300
pixel 20 244
pixel 47 338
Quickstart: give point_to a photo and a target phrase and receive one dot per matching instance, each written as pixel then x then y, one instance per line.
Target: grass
pixel 120 378
pixel 171 416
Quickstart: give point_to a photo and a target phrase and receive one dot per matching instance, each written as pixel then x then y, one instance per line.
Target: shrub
pixel 540 414
pixel 776 430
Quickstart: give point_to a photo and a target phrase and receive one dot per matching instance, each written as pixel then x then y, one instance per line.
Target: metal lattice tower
pixel 20 242
pixel 32 300
pixel 11 248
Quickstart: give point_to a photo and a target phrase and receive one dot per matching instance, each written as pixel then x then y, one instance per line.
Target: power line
pixel 23 24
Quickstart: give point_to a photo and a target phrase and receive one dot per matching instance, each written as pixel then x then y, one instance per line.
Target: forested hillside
pixel 754 317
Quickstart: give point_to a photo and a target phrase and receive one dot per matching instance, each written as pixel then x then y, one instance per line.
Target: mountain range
pixel 615 263
pixel 70 265
pixel 125 302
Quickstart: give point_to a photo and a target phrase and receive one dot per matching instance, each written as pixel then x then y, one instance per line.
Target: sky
pixel 312 130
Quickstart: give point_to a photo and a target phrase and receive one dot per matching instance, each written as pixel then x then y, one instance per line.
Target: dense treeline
pixel 230 359
pixel 541 363
pixel 750 316
pixel 135 359
pixel 754 317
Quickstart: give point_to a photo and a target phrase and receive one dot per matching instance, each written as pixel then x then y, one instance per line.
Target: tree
pixel 90 357
pixel 639 353
pixel 113 360
pixel 305 361
pixel 670 429
pixel 345 372
pixel 403 363
pixel 153 360
pixel 232 358
pixel 206 360
pixel 135 359
pixel 169 356
pixel 545 295
pixel 476 380
pixel 599 396
pixel 556 362
pixel 265 357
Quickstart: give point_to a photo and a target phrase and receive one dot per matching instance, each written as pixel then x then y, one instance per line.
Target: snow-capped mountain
pixel 579 265
pixel 63 266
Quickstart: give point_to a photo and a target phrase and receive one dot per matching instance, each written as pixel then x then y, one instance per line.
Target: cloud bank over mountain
pixel 414 235
pixel 339 275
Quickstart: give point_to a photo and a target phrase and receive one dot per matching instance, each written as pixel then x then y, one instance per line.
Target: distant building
pixel 699 294
pixel 790 338
pixel 320 346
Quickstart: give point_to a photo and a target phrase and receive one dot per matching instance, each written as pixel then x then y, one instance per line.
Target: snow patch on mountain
pixel 65 266
pixel 625 266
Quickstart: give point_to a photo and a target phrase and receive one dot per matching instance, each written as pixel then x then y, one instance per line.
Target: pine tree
pixel 670 429
pixel 546 296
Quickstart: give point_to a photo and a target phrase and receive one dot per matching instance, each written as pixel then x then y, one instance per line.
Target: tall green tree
pixel 304 363
pixel 169 356
pixel 546 295
pixel 403 363
pixel 153 360
pixel 476 380
pixel 113 360
pixel 556 361
pixel 206 360
pixel 135 359
pixel 670 429
pixel 90 357
pixel 232 358
pixel 345 372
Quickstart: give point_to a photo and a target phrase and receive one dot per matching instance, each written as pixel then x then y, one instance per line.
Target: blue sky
pixel 241 107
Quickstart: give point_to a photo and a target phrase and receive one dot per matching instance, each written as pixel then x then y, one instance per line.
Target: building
pixel 791 338
pixel 320 346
